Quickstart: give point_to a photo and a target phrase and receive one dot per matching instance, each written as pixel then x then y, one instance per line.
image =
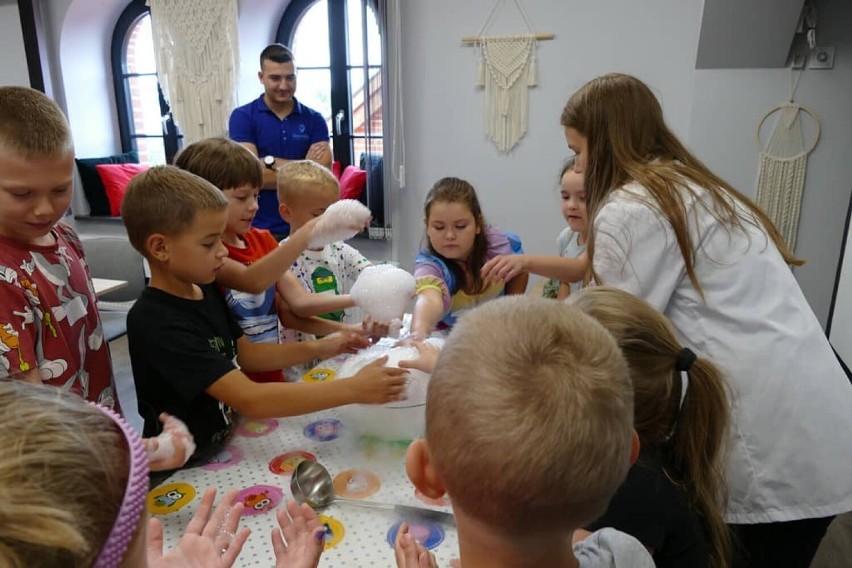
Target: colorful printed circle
pixel 324 430
pixel 333 531
pixel 229 455
pixel 356 483
pixel 319 375
pixel 439 502
pixel 169 498
pixel 428 534
pixel 257 428
pixel 259 499
pixel 286 463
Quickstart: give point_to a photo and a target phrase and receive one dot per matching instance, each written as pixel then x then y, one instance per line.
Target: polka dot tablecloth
pixel 259 461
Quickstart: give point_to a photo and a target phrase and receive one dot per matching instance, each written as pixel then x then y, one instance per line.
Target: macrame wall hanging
pixel 783 161
pixel 198 50
pixel 507 68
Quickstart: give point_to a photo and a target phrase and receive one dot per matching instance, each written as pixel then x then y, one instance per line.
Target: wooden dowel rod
pixel 475 39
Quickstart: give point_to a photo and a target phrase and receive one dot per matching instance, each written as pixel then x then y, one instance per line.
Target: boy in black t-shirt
pixel 187 351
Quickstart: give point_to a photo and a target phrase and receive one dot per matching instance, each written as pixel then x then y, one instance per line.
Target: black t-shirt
pixel 178 348
pixel 649 507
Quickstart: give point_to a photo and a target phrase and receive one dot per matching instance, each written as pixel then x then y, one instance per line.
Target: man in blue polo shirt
pixel 277 128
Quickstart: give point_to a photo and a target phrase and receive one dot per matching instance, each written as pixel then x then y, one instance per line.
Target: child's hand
pixel 304 537
pixel 338 343
pixel 377 384
pixel 207 542
pixel 503 268
pixel 428 357
pixel 409 553
pixel 374 330
pixel 172 448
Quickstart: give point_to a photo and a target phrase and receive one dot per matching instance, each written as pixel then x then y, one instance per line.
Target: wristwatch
pixel 269 162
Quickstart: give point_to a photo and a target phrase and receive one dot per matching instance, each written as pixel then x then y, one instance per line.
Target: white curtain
pixel 197 47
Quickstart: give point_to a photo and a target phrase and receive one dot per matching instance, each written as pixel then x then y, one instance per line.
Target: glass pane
pixel 310 42
pixel 314 89
pixel 152 151
pixel 366 106
pixel 363 146
pixel 355 31
pixel 139 54
pixel 145 105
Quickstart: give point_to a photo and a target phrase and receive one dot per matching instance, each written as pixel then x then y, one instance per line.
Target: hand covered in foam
pixel 383 291
pixel 342 220
pixel 172 448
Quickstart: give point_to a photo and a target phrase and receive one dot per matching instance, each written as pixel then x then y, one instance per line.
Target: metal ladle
pixel 312 484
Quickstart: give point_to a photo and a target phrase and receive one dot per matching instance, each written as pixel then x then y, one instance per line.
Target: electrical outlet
pixel 821 58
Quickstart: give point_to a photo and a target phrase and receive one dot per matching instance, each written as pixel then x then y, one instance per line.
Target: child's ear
pixel 284 211
pixel 421 470
pixel 157 246
pixel 636 446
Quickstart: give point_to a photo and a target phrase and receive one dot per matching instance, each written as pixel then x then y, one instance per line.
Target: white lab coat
pixel 791 450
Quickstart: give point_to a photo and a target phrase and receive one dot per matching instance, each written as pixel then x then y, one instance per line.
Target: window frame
pixel 171 136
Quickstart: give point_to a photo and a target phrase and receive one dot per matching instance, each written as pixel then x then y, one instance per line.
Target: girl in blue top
pixel 458 244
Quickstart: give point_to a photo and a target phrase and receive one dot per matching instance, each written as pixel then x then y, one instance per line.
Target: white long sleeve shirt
pixel 791 449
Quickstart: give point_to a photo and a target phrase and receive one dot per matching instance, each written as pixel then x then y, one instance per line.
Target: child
pixel 565 272
pixel 188 354
pixel 306 190
pixel 459 244
pixel 672 498
pixel 50 329
pixel 255 261
pixel 96 516
pixel 542 394
pixel 673 233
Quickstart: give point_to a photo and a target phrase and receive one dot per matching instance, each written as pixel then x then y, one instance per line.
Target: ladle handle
pixel 403 510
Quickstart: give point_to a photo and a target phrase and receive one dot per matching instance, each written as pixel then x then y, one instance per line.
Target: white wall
pixel 726 107
pixel 13 65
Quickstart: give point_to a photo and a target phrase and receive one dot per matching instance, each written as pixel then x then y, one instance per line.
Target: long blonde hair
pixel 623 123
pixel 690 439
pixel 62 477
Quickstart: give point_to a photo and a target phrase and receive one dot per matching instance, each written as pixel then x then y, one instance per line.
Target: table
pixel 259 461
pixel 104 285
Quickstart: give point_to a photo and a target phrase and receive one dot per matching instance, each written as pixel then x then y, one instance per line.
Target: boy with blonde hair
pixel 529 429
pixel 256 274
pixel 50 331
pixel 305 190
pixel 187 352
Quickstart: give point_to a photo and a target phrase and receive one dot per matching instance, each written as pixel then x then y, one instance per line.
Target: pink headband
pixel 135 495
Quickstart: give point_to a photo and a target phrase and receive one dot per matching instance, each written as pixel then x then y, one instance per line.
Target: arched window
pixel 338 49
pixel 144 119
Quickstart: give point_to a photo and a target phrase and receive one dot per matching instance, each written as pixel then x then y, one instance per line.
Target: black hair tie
pixel 685 359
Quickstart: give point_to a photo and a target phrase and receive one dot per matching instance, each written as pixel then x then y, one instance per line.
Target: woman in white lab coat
pixel 668 230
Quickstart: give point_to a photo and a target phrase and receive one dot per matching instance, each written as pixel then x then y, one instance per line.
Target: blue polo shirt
pixel 289 139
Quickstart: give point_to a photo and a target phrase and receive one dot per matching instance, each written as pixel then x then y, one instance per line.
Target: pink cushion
pixel 335 169
pixel 115 178
pixel 352 182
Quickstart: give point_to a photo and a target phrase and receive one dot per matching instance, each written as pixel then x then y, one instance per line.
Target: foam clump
pixel 341 220
pixel 392 421
pixel 383 291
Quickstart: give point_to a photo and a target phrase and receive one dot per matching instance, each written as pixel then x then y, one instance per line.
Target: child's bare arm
pixel 313 325
pixel 263 273
pixel 374 384
pixel 518 284
pixel 269 356
pixel 564 291
pixel 306 304
pixel 506 267
pixel 428 310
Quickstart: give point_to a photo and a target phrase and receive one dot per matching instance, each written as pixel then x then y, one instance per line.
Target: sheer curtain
pixel 197 45
pixel 394 128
